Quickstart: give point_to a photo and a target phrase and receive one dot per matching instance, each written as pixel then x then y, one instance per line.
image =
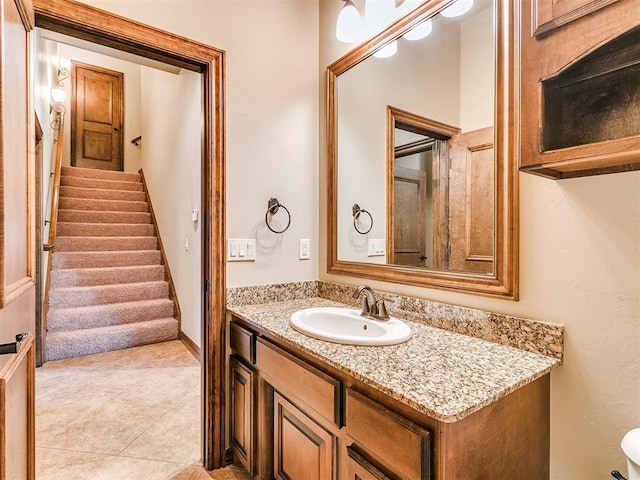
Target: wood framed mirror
pixel 426 143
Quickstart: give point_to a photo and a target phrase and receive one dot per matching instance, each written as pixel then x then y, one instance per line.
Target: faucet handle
pixel 382 313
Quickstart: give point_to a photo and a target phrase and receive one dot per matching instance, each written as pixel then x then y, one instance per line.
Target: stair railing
pixel 53 196
pixel 54 183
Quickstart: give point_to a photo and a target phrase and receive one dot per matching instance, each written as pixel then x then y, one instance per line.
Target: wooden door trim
pixel 105 28
pixel 74 106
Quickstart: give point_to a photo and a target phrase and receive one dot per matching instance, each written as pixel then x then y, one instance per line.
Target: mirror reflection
pixel 415 148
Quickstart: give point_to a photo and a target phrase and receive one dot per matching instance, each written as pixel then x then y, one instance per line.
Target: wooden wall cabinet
pixel 579 87
pixel 313 422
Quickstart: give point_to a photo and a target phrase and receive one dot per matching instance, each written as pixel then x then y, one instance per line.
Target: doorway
pixel 101 27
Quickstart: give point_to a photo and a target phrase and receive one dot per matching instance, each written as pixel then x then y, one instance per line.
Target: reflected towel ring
pixel 356 211
pixel 272 208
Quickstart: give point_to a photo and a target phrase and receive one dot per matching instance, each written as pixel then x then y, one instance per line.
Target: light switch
pixel 241 249
pixel 377 247
pixel 194 215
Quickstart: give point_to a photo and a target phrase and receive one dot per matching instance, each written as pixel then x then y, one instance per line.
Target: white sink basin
pixel 346 325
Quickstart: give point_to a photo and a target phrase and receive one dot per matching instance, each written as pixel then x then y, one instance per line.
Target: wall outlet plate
pixel 305 249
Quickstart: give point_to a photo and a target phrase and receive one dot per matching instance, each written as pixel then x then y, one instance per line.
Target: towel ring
pixel 272 208
pixel 356 211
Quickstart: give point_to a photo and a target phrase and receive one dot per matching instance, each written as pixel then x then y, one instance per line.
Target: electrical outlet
pixel 305 249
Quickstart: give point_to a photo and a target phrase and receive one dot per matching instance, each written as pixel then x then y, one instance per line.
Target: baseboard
pixel 190 344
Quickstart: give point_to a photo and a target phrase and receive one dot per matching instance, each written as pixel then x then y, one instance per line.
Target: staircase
pixel 107 288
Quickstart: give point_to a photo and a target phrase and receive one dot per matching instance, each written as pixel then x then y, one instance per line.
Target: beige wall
pixel 272 118
pixel 579 266
pixel 171 161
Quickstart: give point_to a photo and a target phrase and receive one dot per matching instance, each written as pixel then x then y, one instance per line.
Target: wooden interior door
pixel 17 250
pixel 471 204
pixel 409 217
pixel 97 108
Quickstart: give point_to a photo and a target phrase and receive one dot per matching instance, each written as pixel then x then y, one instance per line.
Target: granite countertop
pixel 444 375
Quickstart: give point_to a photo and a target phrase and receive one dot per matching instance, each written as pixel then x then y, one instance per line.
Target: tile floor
pixel 129 414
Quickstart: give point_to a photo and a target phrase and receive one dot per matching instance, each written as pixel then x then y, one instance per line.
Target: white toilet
pixel 631 448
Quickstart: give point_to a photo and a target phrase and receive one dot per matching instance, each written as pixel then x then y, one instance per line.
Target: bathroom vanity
pixel 440 406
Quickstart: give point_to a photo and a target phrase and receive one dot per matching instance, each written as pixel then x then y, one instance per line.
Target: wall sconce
pixel 63 70
pixel 350 25
pixel 58 96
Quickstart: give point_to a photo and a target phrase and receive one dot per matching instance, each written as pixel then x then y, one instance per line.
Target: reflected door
pixel 471 205
pixel 409 217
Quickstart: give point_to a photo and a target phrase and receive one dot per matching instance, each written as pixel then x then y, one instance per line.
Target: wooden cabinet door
pixel 303 450
pixel 551 14
pixel 242 414
pixel 97 107
pixel 358 468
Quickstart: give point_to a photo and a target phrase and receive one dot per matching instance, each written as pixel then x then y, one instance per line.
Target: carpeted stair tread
pixel 101 194
pixel 102 205
pixel 107 288
pixel 85 182
pixel 86 277
pixel 69 297
pixel 96 316
pixel 101 174
pixel 98 340
pixel 96 216
pixel 104 259
pixel 95 244
pixel 77 229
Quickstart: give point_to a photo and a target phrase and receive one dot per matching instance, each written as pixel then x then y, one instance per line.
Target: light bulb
pixel 58 95
pixel 419 31
pixel 64 63
pixel 457 8
pixel 349 25
pixel 387 51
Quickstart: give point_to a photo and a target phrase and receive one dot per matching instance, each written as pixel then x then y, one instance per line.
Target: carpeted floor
pixel 107 285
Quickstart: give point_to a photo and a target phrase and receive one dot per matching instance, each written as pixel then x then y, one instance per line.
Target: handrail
pixel 136 141
pixel 53 222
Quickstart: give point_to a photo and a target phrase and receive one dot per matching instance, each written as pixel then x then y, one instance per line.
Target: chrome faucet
pixel 371 307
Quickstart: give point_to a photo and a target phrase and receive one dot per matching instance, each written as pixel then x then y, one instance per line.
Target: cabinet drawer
pixel 294 378
pixel 390 439
pixel 243 342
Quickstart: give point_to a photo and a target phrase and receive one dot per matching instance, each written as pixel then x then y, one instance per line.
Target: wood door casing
pixel 409 217
pixel 97 110
pixel 471 201
pixel 99 26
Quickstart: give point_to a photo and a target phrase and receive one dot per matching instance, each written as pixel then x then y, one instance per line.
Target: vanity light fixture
pixel 457 8
pixel 349 27
pixel 420 31
pixel 387 51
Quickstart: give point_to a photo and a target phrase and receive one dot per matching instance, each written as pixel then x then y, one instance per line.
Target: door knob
pixel 13 347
